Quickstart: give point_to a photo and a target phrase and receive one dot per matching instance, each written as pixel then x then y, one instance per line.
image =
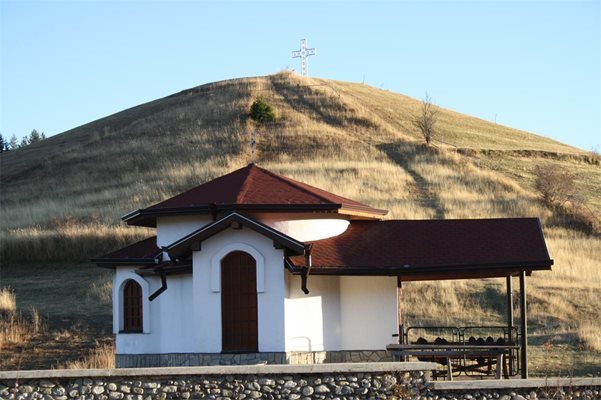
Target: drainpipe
pixel 163 285
pixel 305 270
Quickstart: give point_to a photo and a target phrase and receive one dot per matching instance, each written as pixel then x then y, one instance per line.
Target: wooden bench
pixel 449 352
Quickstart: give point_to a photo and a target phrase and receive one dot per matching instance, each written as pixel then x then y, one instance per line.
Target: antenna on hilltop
pixel 303 53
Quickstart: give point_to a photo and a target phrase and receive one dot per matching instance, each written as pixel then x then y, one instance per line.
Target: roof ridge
pixel 246 182
pixel 298 185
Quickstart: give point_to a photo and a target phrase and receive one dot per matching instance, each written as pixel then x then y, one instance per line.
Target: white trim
pixel 118 305
pixel 235 214
pixel 216 265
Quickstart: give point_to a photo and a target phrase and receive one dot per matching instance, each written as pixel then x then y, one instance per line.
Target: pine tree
pixel 3 144
pixel 35 137
pixel 13 143
pixel 261 111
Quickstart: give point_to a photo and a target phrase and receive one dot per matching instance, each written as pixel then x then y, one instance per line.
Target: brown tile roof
pixel 251 188
pixel 412 247
pixel 140 253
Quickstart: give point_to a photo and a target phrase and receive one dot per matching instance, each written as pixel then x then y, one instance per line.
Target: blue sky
pixel 532 65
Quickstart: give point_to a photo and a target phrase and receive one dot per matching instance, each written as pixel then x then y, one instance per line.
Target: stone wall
pixel 517 389
pixel 319 381
pixel 199 359
pixel 344 381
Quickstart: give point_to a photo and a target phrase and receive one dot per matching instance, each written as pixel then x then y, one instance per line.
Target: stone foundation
pixel 323 381
pixel 348 381
pixel 199 359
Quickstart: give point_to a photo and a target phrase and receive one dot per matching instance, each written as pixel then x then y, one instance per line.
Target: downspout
pixel 305 270
pixel 163 285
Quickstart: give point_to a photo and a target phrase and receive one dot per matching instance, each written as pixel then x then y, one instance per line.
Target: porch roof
pixel 431 249
pixel 144 252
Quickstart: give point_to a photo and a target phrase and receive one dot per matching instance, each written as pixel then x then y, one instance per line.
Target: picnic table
pixel 484 355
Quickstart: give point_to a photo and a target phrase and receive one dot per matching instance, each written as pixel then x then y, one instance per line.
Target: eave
pixel 425 273
pixel 147 216
pixel 113 262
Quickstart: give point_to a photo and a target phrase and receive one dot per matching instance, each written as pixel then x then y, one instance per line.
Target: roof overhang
pixel 113 262
pixel 147 216
pixel 409 273
pixel 142 253
pixel 183 247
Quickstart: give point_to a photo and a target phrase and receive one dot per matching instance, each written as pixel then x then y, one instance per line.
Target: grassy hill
pixel 61 199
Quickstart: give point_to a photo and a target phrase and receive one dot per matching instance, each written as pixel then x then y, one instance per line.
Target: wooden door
pixel 239 333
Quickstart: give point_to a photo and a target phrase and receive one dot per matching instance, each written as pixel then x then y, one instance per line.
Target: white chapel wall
pixel 305 226
pixel 368 312
pixel 170 229
pixel 206 314
pixel 167 323
pixel 313 320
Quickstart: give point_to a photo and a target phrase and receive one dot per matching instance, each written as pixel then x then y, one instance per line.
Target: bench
pixel 450 352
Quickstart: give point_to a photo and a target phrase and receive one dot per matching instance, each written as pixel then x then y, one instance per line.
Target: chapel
pixel 254 267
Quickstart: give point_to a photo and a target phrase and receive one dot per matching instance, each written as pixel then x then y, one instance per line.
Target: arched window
pixel 132 307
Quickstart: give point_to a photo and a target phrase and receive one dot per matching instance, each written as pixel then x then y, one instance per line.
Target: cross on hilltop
pixel 303 53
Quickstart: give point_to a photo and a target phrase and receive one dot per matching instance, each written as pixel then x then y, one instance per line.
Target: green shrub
pixel 261 111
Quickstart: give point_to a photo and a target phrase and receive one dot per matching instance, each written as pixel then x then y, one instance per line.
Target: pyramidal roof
pixel 253 188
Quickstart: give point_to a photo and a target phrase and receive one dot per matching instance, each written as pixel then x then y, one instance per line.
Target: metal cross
pixel 303 53
pixel 252 146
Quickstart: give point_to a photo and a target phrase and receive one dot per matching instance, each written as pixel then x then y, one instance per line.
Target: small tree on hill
pixel 261 111
pixel 425 121
pixel 13 143
pixel 555 185
pixel 36 136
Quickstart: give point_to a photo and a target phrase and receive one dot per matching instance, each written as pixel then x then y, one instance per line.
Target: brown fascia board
pixel 180 247
pixel 147 216
pixel 412 270
pixel 113 262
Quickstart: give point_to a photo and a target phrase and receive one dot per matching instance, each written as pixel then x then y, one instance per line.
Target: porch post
pixel 524 326
pixel 399 307
pixel 510 317
pixel 509 303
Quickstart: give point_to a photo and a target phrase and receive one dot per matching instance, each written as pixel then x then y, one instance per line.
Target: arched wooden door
pixel 239 331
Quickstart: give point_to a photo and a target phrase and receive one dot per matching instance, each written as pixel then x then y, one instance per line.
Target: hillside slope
pixel 61 199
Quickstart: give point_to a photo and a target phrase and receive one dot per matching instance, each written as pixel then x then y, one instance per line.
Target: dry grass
pixel 8 301
pixel 101 290
pixel 102 356
pixel 347 138
pixel 15 327
pixel 590 335
pixel 77 242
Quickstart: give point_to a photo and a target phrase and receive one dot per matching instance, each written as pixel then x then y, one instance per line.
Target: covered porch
pixel 411 251
pixel 494 350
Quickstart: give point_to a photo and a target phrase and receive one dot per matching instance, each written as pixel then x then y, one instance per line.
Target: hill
pixel 61 198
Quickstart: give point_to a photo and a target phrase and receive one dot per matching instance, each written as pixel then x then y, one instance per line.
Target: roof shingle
pixel 411 245
pixel 252 188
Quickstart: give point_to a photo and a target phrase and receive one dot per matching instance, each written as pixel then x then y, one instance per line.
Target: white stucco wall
pixel 170 229
pixel 167 322
pixel 305 226
pixel 368 312
pixel 313 320
pixel 207 294
pixel 340 313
